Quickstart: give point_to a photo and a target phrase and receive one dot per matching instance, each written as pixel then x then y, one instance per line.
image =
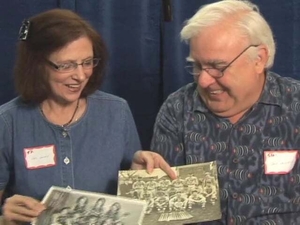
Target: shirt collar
pixel 271 94
pixel 198 104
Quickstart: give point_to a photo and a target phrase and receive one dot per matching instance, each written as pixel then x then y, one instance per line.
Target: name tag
pixel 280 162
pixel 40 157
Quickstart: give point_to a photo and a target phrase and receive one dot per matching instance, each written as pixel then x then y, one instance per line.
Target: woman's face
pixel 66 87
pixel 82 202
pixel 64 212
pixel 100 203
pixel 115 207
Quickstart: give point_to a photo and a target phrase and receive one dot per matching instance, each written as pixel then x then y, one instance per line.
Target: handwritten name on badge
pixel 280 162
pixel 40 157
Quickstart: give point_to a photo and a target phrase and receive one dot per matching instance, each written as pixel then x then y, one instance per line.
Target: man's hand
pixel 149 160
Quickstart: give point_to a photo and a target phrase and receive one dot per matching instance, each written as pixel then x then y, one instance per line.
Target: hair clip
pixel 24 30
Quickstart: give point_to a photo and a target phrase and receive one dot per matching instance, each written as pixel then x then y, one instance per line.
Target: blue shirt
pixel 89 152
pixel 187 132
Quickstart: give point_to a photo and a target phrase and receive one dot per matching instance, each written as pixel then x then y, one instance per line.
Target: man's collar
pixel 271 94
pixel 198 104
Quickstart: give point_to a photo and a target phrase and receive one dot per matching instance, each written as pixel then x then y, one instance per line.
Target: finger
pixel 159 162
pixel 167 169
pixel 149 160
pixel 11 217
pixel 138 157
pixel 21 208
pixel 28 202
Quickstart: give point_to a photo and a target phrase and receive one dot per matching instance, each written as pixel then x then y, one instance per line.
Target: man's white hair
pixel 243 15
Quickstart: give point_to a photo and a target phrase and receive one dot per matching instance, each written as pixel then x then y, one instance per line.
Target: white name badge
pixel 40 157
pixel 280 162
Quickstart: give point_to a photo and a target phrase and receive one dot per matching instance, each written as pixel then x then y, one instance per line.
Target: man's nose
pixel 204 79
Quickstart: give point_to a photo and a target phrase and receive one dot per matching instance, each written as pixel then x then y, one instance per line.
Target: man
pixel 238 113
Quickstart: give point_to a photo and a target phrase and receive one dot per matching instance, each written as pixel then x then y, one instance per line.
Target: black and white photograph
pixel 192 197
pixel 75 207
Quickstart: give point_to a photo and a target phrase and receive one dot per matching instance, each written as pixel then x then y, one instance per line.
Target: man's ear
pixel 261 58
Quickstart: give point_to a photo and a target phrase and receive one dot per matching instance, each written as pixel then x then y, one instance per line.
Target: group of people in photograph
pixel 166 195
pixel 87 213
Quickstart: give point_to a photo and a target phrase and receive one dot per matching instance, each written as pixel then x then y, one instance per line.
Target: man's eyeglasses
pixel 71 66
pixel 195 69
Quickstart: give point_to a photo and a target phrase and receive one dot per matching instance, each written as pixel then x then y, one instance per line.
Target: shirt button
pixel 68 188
pixel 66 160
pixel 64 133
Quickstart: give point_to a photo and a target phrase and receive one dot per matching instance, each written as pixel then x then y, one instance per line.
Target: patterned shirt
pixel 187 132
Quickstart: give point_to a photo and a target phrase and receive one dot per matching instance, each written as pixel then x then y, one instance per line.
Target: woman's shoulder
pixel 11 106
pixel 106 98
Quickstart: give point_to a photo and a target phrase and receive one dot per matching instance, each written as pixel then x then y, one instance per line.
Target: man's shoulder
pixel 183 94
pixel 180 101
pixel 282 80
pixel 282 91
pixel 287 86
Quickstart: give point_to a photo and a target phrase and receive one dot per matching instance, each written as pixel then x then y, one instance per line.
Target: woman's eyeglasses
pixel 71 66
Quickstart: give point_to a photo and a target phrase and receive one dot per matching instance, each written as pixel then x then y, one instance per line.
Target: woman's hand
pixel 21 208
pixel 149 160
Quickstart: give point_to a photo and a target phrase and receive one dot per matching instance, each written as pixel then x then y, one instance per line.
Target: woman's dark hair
pixel 117 205
pixel 102 200
pixel 48 32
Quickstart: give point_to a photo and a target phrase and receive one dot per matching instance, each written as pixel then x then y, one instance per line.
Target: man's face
pixel 239 88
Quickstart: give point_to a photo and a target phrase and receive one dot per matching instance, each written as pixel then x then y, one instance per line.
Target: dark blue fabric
pixel 147 57
pixel 11 15
pixel 175 51
pixel 131 30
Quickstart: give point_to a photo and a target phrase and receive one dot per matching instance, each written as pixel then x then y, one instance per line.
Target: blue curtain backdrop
pixel 147 58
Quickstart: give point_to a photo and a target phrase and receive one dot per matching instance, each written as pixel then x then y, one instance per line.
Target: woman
pixel 98 208
pixel 80 205
pixel 62 130
pixel 113 213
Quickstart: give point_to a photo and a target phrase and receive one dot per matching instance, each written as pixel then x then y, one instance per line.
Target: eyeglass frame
pixel 74 65
pixel 221 71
